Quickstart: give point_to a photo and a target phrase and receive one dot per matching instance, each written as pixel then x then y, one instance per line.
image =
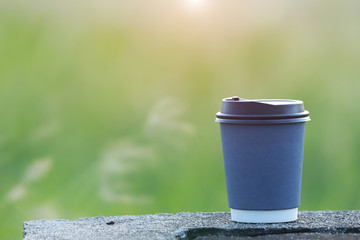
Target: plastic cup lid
pixel 258 109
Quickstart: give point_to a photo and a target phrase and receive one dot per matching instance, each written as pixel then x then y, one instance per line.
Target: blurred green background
pixel 108 107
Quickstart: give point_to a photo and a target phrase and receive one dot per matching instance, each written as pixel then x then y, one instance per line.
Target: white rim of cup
pixel 264 216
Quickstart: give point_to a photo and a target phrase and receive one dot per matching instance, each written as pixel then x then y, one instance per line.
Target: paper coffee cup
pixel 263 143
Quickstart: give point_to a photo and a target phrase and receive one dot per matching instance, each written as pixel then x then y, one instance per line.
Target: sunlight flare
pixel 195 4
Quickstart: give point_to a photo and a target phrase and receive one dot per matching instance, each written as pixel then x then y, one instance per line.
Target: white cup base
pixel 264 216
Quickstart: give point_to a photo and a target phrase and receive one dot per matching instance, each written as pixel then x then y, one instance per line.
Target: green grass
pixel 125 116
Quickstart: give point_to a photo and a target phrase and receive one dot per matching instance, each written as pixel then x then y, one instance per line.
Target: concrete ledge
pixel 310 225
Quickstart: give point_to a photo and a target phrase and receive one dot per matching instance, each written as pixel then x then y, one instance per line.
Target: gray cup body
pixel 263 160
pixel 263 165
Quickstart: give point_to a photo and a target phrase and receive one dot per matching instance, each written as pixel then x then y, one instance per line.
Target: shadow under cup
pixel 263 142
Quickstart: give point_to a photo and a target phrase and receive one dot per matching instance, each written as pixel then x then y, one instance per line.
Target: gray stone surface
pixel 310 225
